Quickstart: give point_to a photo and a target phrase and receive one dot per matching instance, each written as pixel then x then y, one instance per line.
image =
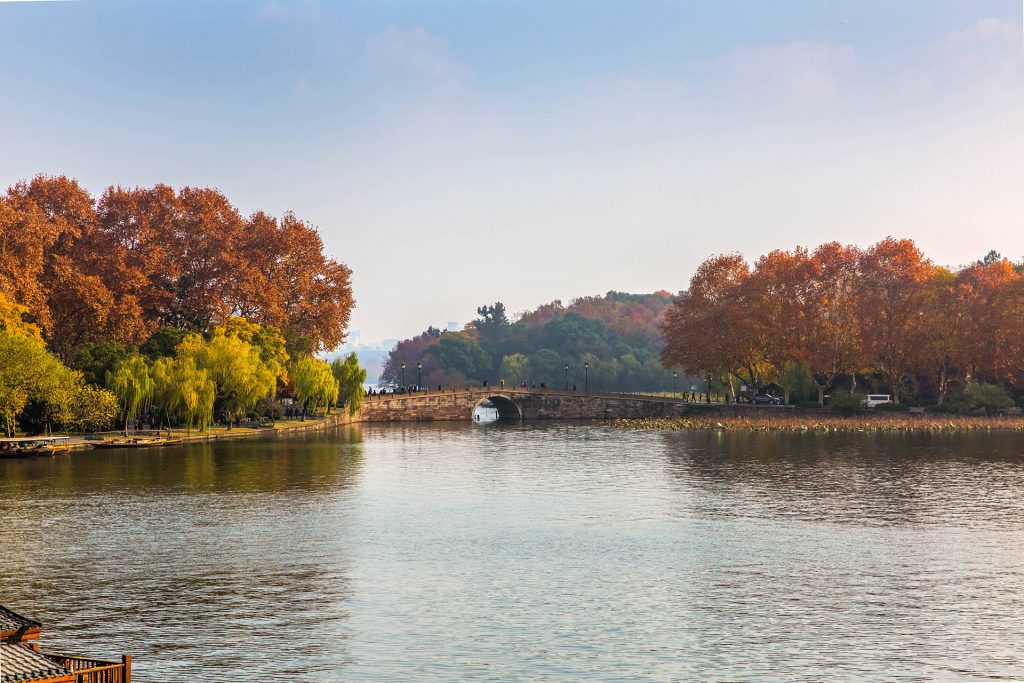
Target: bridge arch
pixel 508 410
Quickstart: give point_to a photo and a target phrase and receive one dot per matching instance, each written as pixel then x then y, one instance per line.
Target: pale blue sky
pixel 456 153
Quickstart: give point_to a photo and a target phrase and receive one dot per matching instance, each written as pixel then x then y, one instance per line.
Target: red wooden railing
pixel 95 670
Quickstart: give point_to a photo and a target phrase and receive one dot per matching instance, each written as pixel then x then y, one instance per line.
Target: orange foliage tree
pixel 886 311
pixel 139 259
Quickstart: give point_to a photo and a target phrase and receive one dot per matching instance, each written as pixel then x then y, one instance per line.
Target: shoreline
pixel 810 423
pixel 81 442
pixel 907 423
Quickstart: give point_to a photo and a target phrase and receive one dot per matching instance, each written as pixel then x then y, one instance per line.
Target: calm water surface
pixel 554 552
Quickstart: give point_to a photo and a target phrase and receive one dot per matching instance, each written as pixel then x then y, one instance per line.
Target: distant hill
pixel 616 334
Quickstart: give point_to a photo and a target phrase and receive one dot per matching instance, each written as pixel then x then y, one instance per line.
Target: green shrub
pixel 989 397
pixel 893 407
pixel 814 405
pixel 845 403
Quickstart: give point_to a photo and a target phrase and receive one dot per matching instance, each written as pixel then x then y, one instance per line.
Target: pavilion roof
pixel 22 664
pixel 12 622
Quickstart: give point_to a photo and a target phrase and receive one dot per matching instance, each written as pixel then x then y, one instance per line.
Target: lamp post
pixel 707 388
pixel 586 377
pixel 403 376
pixel 567 377
pixel 419 376
pixel 675 389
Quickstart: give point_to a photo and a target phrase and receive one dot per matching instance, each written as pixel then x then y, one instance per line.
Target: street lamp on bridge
pixel 567 377
pixel 419 376
pixel 403 376
pixel 586 377
pixel 675 389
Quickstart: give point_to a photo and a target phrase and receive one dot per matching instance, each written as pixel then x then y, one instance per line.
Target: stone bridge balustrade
pixel 515 403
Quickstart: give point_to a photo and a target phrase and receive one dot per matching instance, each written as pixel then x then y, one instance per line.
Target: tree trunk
pixel 894 386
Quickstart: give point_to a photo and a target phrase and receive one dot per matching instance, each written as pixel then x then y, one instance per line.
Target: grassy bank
pixel 837 423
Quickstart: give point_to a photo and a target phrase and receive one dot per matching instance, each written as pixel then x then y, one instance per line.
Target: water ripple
pixel 548 553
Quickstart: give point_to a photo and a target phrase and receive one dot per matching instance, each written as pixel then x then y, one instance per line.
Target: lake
pixel 553 552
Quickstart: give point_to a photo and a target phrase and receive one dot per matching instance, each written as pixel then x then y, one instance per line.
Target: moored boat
pixel 129 442
pixel 30 446
pixel 137 442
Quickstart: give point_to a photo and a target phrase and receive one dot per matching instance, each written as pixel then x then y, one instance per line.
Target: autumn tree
pixel 26 237
pixel 943 344
pixel 993 302
pixel 136 230
pixel 890 293
pixel 779 293
pixel 315 291
pixel 832 345
pixel 707 329
pixel 410 352
pixel 141 259
pixel 81 306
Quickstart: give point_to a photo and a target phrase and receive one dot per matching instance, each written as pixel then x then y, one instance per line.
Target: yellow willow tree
pixel 267 340
pixel 165 392
pixel 350 379
pixel 315 384
pixel 132 384
pixel 184 391
pixel 240 375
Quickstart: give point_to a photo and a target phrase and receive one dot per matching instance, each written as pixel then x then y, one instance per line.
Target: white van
pixel 872 400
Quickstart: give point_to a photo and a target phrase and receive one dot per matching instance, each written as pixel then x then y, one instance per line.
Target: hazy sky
pixel 457 153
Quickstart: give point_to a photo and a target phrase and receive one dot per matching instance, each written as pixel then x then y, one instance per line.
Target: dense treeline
pixel 169 305
pixel 137 259
pixel 881 318
pixel 617 334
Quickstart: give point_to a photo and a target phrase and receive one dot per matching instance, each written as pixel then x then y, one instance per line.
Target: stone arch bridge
pixel 516 403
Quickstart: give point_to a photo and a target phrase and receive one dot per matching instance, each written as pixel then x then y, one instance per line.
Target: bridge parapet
pixel 529 404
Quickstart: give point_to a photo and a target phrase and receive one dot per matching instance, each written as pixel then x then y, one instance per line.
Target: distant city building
pixel 453 326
